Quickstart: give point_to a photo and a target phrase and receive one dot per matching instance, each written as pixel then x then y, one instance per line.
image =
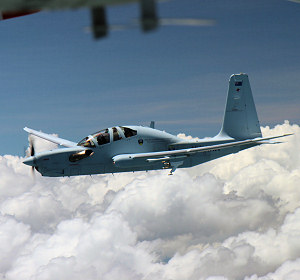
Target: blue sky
pixel 56 78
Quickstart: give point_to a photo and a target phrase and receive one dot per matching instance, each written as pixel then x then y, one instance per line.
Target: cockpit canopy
pixel 106 136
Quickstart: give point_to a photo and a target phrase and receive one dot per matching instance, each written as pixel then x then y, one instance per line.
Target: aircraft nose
pixel 30 161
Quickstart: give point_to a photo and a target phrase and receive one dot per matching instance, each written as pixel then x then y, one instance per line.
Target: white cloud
pixel 13 236
pixel 289 270
pixel 163 207
pixel 233 218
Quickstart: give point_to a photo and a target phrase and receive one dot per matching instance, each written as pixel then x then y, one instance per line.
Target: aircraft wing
pixel 52 4
pixel 50 138
pixel 126 160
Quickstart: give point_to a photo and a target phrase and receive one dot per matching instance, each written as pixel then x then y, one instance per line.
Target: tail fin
pixel 240 118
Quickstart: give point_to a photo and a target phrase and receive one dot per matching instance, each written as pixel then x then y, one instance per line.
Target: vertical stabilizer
pixel 240 118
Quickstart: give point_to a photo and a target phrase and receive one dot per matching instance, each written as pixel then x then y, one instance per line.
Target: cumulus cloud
pixel 237 217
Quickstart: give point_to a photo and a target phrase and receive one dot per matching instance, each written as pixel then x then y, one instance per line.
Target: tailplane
pixel 240 117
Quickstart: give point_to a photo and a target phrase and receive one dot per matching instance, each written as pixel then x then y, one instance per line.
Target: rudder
pixel 240 117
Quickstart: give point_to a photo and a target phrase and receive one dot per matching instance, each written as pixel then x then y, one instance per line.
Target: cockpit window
pixel 102 137
pixel 128 132
pixel 86 142
pixel 116 135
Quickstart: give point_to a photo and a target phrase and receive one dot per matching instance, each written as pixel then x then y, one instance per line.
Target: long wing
pixel 51 138
pixel 126 160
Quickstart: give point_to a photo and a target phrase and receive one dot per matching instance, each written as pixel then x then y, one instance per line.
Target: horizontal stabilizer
pixel 51 138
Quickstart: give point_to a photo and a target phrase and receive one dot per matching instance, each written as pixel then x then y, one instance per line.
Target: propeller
pixel 31 147
pixel 189 22
pixel 32 153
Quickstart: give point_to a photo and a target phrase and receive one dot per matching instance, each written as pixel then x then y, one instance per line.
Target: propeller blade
pixel 31 146
pixel 32 153
pixel 32 150
pixel 187 22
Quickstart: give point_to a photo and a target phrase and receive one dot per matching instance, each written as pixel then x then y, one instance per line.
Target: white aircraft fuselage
pixel 106 158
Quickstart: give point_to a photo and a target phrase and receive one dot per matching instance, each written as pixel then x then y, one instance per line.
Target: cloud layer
pixel 237 217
